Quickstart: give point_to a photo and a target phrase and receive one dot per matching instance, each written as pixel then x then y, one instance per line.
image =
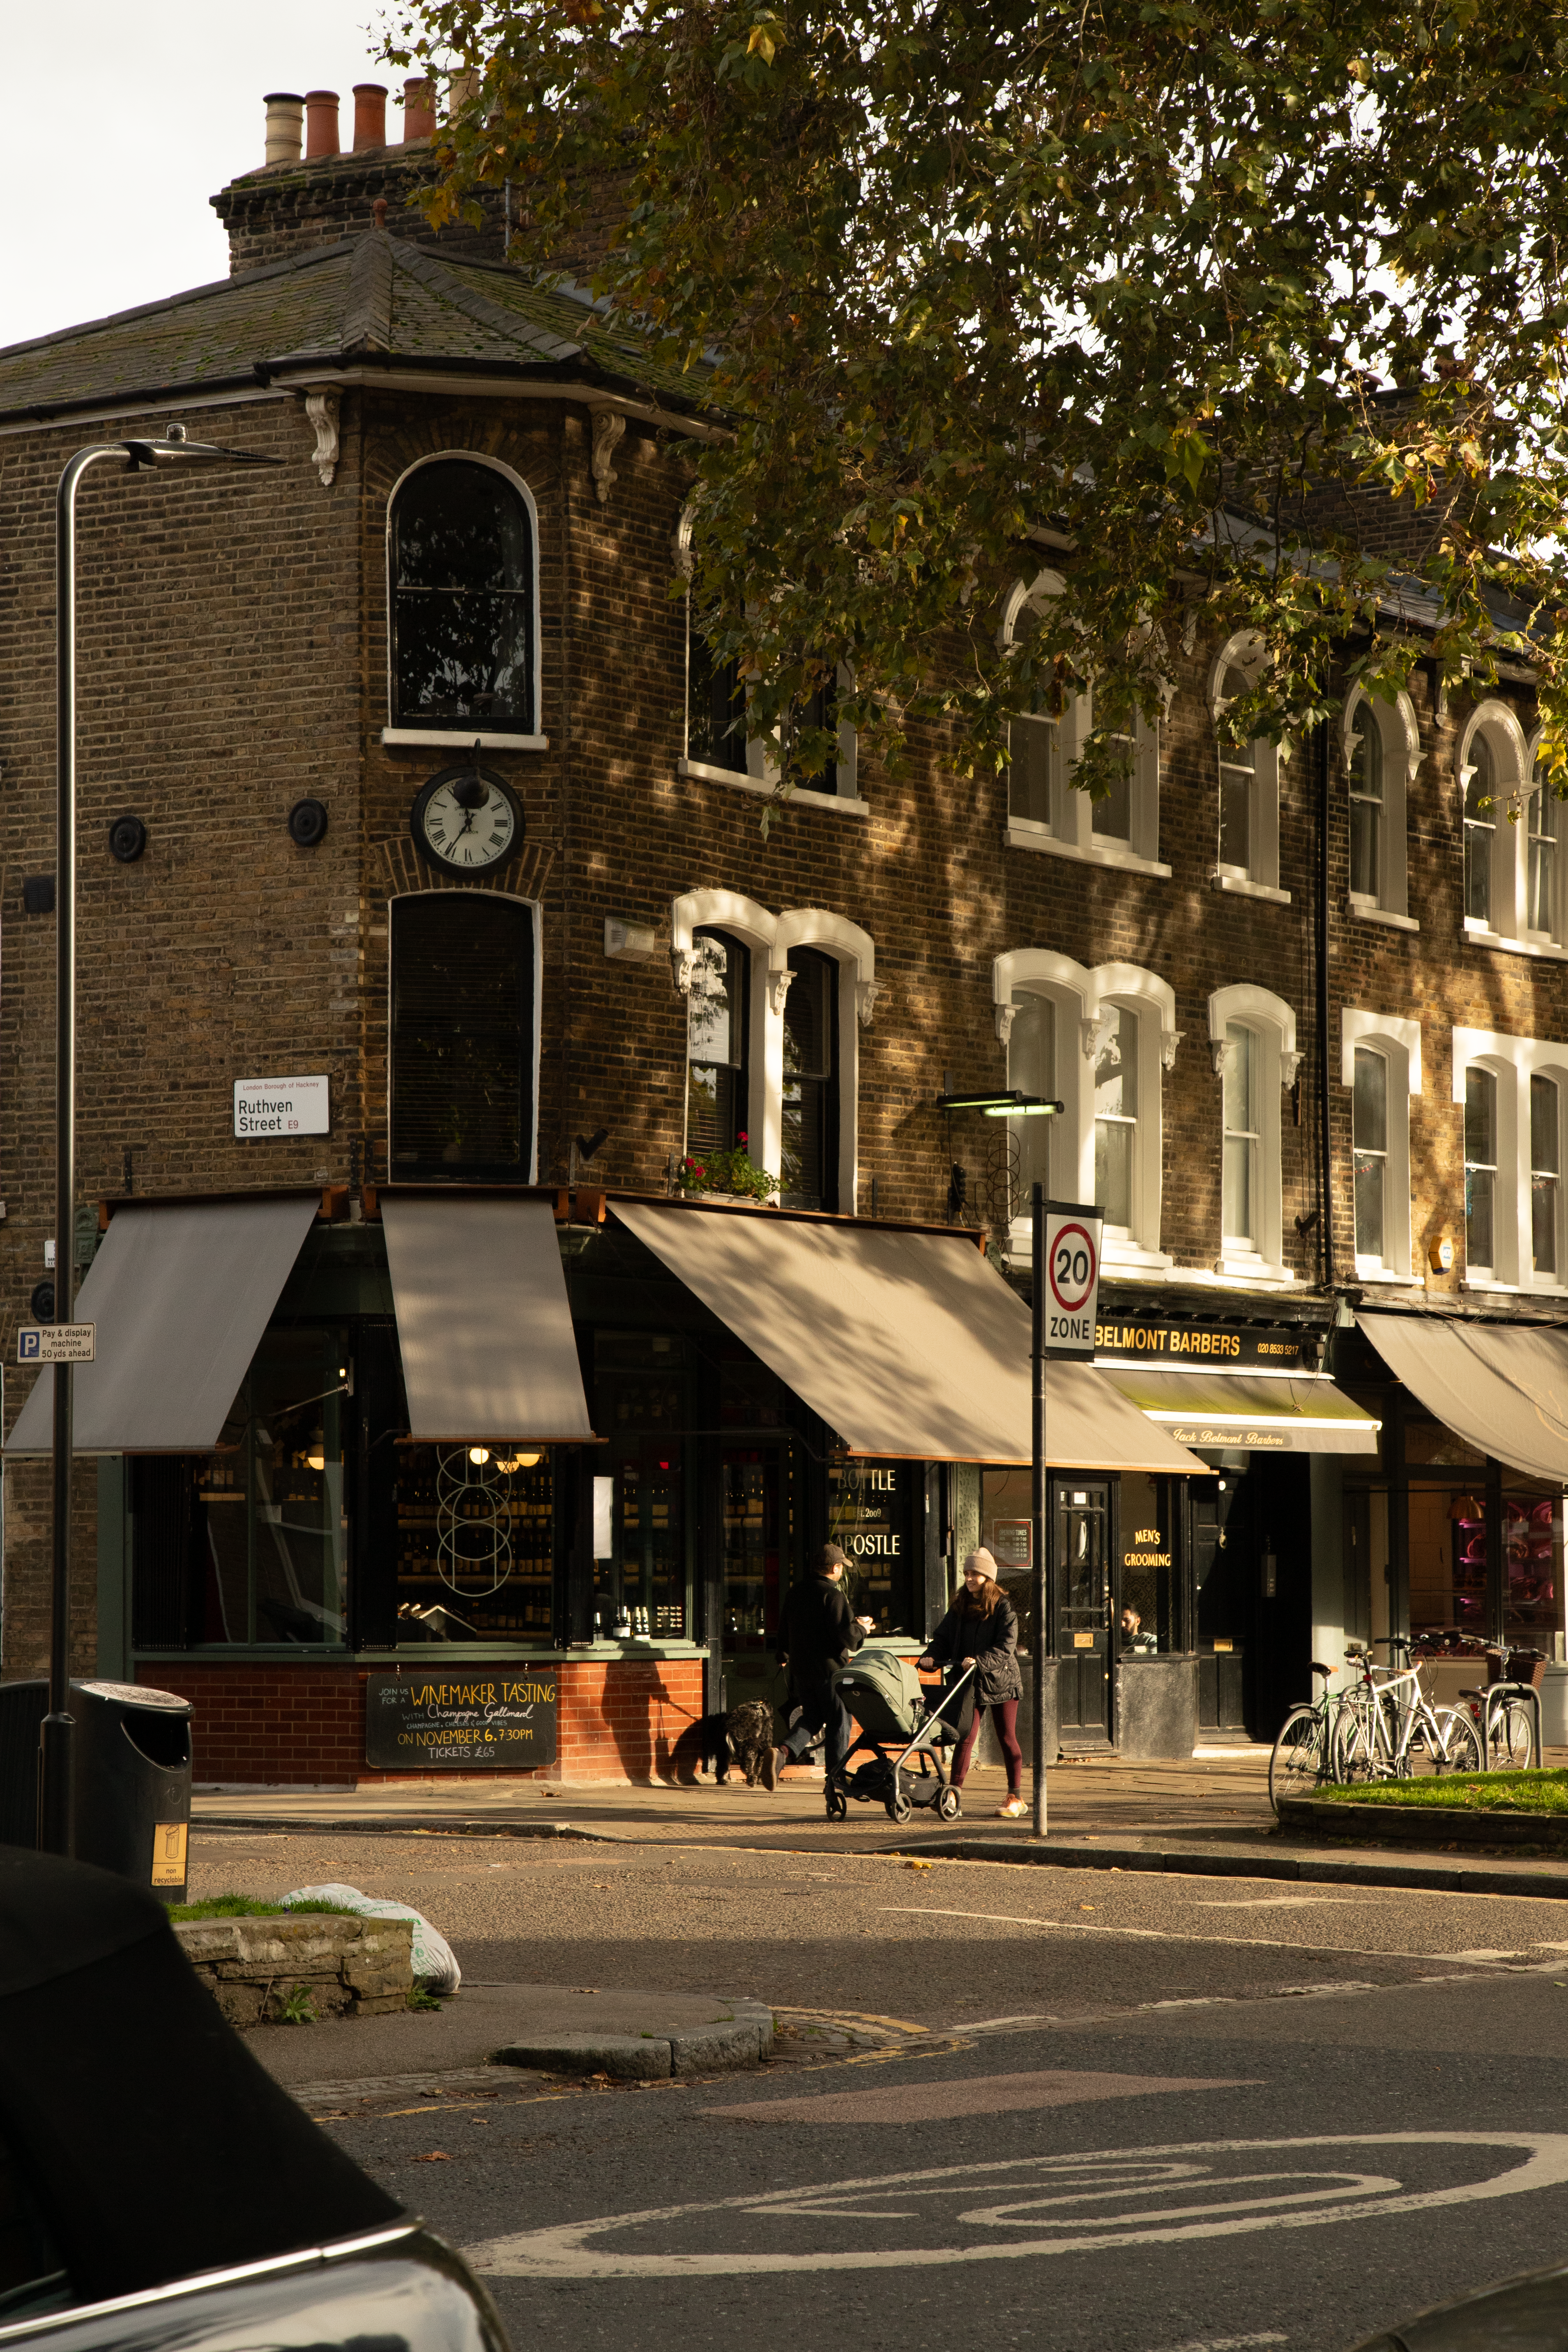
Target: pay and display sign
pixel 58 1343
pixel 1072 1279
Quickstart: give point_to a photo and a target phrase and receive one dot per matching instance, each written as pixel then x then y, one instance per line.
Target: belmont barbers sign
pixel 462 1723
pixel 1186 1347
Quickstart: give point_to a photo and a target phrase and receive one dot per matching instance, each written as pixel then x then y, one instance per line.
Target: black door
pixel 1084 1599
pixel 1225 1575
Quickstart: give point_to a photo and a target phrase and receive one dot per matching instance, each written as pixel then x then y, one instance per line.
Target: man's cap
pixel 832 1556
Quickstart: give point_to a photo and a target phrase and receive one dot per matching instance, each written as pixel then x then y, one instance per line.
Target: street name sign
pixel 1072 1279
pixel 285 1106
pixel 58 1343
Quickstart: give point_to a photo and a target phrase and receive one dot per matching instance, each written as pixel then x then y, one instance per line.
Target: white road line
pixel 1223 2343
pixel 1175 1936
pixel 1270 1902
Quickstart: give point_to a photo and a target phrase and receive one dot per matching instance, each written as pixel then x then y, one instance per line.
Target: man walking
pixel 817 1633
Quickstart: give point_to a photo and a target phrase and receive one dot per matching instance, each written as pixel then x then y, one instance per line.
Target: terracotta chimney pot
pixel 285 119
pixel 370 114
pixel 418 108
pixel 321 124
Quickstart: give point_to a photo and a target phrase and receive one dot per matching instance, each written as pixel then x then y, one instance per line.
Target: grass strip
pixel 1472 1792
pixel 247 1906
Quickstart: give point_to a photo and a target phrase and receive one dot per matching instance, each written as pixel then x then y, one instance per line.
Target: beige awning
pixel 181 1293
pixel 1254 1413
pixel 907 1344
pixel 1504 1391
pixel 483 1322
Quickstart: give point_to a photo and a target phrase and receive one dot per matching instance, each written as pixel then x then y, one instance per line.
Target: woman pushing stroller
pixel 982 1624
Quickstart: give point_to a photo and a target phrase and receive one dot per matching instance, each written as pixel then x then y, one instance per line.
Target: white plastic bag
pixel 434 1962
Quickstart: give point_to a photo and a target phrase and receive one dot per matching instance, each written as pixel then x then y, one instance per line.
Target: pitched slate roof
pixel 370 301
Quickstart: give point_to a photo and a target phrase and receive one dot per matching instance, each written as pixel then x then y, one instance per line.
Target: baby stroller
pixel 885 1696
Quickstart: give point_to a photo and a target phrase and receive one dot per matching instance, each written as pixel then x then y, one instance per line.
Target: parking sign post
pixel 1065 1308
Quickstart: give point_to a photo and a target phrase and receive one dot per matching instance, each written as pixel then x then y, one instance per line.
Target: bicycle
pixel 1388 1730
pixel 1303 1754
pixel 1508 1713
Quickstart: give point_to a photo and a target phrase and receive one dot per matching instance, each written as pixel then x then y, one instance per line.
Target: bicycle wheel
pixel 1356 1755
pixel 1512 1741
pixel 1300 1760
pixel 1454 1745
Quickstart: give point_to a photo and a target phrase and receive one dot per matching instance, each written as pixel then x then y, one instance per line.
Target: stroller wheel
pixel 898 1807
pixel 948 1805
pixel 838 1803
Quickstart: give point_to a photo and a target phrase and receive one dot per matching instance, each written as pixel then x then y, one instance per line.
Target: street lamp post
pixel 136 456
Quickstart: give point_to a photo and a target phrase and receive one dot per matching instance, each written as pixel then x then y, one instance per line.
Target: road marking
pixel 1224 2343
pixel 1270 1902
pixel 1177 1936
pixel 974 2094
pixel 1093 2202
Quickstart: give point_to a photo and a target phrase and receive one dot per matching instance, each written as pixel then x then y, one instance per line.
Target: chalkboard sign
pixel 468 1723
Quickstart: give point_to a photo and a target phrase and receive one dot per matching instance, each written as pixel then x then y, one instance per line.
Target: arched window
pixel 1246 830
pixel 1252 1043
pixel 1543 885
pixel 464 1037
pixel 1242 1121
pixel 1380 1063
pixel 1116 1138
pixel 1480 1171
pixel 1367 814
pixel 1032 1070
pixel 1546 1176
pixel 1369 1141
pixel 1380 746
pixel 1480 827
pixel 718 1034
pixel 462 595
pixel 1044 809
pixel 1237 787
pixel 809 1170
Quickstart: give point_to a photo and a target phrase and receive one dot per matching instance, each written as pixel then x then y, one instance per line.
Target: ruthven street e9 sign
pixel 1072 1280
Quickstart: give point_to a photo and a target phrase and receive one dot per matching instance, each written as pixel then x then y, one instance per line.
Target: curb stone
pixel 742 2039
pixel 1431 1825
pixel 1549 1884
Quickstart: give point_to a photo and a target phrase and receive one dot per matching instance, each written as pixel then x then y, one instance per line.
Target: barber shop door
pixel 1084 1599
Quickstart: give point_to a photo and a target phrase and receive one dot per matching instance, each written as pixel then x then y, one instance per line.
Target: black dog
pixel 741 1736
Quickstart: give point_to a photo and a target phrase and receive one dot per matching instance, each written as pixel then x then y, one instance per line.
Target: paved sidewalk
pixel 1209 1816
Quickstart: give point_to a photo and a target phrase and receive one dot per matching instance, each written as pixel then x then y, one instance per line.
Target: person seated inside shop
pixel 1133 1637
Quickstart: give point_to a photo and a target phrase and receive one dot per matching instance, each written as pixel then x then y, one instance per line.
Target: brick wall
pixel 303 1726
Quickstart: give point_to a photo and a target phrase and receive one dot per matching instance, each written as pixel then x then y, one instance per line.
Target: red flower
pixel 742 1139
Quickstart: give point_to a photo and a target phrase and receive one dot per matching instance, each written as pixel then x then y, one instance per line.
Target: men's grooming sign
pixel 467 1723
pixel 281 1107
pixel 1072 1279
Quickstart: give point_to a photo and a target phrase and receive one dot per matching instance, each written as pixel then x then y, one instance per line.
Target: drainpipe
pixel 1325 1043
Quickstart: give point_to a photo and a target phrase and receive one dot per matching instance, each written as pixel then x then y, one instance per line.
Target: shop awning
pixel 181 1293
pixel 1503 1391
pixel 907 1344
pixel 1254 1414
pixel 483 1322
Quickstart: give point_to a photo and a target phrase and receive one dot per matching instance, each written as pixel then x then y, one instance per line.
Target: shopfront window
pixel 641 1580
pixel 718 1026
pixel 1449 1593
pixel 249 1544
pixel 1369 1135
pixel 475 1529
pixel 1148 1611
pixel 1480 1170
pixel 870 1519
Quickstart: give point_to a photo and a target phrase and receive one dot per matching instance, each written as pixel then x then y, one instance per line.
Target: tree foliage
pixel 1254 310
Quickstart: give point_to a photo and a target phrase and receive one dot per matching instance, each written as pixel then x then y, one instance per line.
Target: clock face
pixel 467 820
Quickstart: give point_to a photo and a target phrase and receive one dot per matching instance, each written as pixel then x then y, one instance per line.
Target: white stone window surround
pixel 536 908
pixel 1246 652
pixel 770 937
pixel 1086 1002
pixel 762 773
pixel 1400 738
pixel 1512 766
pixel 464 737
pixel 1071 832
pixel 1513 1062
pixel 1398 1040
pixel 1556 937
pixel 1273 1024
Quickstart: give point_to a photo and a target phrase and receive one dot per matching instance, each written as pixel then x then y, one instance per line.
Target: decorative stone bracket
pixel 778 987
pixel 1005 1016
pixel 609 425
pixel 866 991
pixel 321 409
pixel 1168 1041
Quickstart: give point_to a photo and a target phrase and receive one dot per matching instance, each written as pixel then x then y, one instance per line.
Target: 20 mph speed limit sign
pixel 1072 1280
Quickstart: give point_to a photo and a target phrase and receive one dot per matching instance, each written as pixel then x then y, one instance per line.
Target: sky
pixel 123 121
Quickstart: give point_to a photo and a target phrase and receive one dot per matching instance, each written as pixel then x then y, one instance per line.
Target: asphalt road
pixel 1194 2114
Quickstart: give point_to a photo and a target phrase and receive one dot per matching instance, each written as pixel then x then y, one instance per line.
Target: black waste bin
pixel 23 1706
pixel 131 1782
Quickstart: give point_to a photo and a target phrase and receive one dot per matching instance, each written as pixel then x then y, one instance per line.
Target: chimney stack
pixel 461 89
pixel 419 109
pixel 285 118
pixel 370 115
pixel 321 124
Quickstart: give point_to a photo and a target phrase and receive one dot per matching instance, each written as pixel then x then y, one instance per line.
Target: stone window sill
pixel 1478 936
pixel 1100 853
pixel 1241 887
pixel 463 739
pixel 1367 910
pixel 700 771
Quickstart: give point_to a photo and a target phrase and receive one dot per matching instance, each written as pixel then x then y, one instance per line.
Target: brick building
pixel 442 809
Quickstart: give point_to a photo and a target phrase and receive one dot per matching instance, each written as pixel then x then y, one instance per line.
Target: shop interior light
pixel 511 1462
pixel 478 1455
pixel 1000 1103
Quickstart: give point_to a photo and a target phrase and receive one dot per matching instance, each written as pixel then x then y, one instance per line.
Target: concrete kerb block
pixel 625 2057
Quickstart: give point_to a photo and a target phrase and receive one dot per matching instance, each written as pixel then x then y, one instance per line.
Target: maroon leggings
pixel 1005 1716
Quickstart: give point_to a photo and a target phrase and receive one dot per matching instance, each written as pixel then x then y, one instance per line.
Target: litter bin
pixel 131 1782
pixel 1554 1707
pixel 23 1706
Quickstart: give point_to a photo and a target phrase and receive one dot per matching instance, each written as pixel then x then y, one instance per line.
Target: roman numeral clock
pixel 467 820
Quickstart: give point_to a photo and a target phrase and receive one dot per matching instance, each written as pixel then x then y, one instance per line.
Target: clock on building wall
pixel 467 820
